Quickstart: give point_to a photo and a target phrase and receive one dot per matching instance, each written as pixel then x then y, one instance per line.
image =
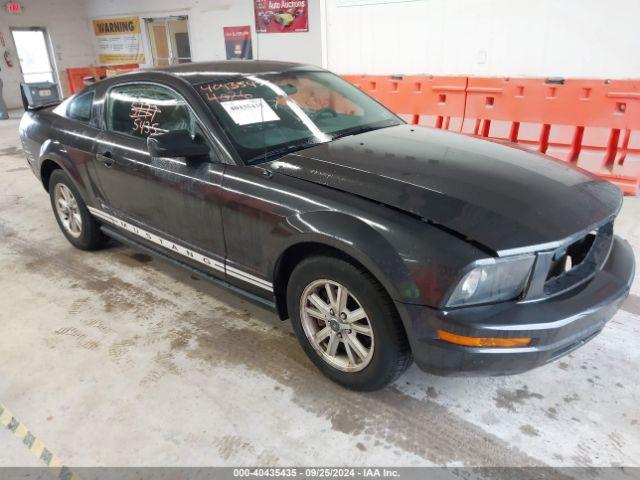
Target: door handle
pixel 105 158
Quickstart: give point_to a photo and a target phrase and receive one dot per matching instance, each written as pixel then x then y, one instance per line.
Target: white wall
pixel 208 17
pixel 569 38
pixel 68 28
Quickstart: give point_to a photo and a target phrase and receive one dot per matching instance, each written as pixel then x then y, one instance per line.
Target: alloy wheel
pixel 336 325
pixel 67 210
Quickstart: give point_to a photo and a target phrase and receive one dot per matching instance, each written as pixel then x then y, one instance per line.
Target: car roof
pixel 199 72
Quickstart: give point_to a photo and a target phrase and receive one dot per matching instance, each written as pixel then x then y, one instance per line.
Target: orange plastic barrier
pixel 419 99
pixel 594 124
pixel 76 76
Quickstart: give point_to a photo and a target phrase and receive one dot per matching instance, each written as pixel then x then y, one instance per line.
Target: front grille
pixel 572 264
pixel 565 259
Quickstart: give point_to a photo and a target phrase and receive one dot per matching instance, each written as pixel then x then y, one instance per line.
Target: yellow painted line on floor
pixel 35 445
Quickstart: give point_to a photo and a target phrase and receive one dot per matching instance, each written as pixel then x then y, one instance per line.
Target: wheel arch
pixel 47 168
pixel 52 157
pixel 291 257
pixel 343 236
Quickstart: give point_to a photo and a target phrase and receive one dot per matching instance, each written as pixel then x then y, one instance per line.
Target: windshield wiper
pixel 281 151
pixel 358 131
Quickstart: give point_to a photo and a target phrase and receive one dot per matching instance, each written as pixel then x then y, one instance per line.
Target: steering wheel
pixel 325 112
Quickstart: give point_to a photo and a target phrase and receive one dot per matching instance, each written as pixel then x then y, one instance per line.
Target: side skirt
pixel 255 299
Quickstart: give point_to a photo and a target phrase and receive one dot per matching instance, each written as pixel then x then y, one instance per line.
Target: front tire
pixel 346 323
pixel 71 213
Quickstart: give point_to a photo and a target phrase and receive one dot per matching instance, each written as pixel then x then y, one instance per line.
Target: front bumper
pixel 557 325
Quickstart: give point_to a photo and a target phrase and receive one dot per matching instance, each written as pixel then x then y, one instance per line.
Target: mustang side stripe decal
pixel 234 272
pixel 210 262
pixel 168 244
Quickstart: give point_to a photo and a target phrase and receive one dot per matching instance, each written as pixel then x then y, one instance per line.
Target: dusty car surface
pixel 382 242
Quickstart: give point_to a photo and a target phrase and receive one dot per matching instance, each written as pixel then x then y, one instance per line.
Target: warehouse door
pixel 32 45
pixel 169 40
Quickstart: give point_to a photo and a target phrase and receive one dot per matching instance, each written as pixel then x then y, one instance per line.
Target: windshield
pixel 269 115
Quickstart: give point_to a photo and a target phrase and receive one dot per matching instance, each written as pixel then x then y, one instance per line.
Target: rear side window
pixel 142 110
pixel 81 107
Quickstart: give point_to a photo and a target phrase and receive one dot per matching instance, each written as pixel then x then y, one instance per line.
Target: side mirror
pixel 177 143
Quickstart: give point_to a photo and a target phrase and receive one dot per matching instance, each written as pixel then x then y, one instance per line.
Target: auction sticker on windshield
pixel 250 110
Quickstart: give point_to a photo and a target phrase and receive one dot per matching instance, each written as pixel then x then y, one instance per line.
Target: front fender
pixel 358 239
pixel 414 261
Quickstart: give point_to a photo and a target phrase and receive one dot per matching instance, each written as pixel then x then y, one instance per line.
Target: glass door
pixel 169 40
pixel 34 55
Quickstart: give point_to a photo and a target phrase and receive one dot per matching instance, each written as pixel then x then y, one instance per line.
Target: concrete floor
pixel 112 358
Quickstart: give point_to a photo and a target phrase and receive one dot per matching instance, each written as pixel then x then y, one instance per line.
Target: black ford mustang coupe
pixel 382 242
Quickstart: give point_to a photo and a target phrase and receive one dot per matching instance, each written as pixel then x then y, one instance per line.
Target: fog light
pixel 483 341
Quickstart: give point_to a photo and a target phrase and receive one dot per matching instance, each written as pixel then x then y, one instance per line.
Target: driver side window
pixel 143 110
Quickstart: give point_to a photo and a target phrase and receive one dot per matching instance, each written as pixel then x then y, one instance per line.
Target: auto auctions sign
pixel 119 40
pixel 281 16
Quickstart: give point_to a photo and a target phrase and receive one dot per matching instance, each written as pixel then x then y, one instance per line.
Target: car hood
pixel 505 198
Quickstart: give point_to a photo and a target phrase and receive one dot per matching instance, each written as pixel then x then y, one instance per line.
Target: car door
pixel 173 203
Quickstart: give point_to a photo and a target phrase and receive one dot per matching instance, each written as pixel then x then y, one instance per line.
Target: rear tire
pixel 359 341
pixel 71 213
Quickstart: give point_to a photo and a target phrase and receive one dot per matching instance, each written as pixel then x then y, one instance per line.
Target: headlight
pixel 495 281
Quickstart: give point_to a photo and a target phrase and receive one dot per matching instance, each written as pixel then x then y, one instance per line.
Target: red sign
pixel 14 7
pixel 281 16
pixel 237 41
